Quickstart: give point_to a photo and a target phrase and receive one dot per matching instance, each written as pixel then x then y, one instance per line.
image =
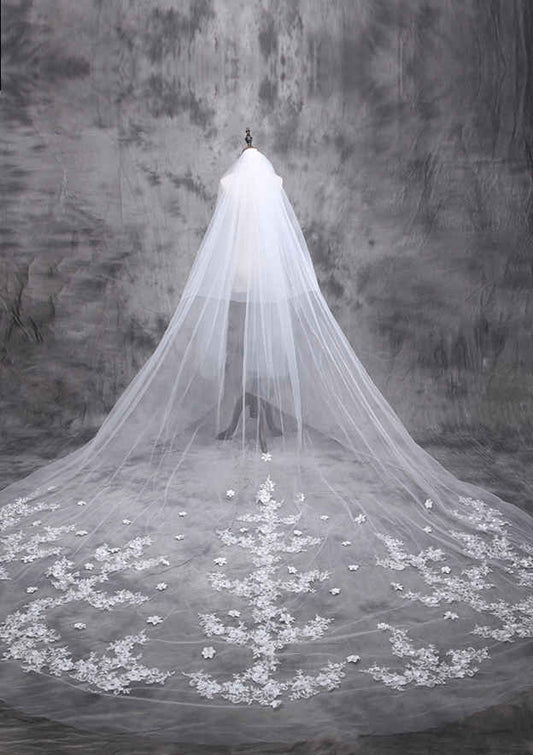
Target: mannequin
pixel 260 409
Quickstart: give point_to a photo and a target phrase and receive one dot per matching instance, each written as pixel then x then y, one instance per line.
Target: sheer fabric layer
pixel 253 547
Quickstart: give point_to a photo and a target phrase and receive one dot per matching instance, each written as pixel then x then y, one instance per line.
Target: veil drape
pixel 252 547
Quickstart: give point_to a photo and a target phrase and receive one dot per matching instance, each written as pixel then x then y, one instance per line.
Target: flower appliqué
pixel 271 627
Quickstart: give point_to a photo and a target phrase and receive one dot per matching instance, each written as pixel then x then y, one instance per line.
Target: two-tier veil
pixel 253 548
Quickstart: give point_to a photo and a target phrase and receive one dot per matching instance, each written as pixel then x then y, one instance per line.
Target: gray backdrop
pixel 404 133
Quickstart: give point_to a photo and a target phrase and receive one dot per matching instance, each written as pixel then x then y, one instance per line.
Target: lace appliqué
pixel 498 547
pixel 489 547
pixel 12 513
pixel 425 667
pixel 37 646
pixel 272 627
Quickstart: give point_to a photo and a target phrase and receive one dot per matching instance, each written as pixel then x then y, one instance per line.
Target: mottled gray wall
pixel 403 130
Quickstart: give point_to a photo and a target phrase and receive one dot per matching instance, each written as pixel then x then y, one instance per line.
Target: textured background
pixel 404 133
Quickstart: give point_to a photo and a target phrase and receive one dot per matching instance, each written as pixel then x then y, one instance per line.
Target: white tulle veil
pixel 252 547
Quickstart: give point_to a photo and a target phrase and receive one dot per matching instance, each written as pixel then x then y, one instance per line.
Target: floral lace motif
pixel 489 547
pixel 425 667
pixel 25 633
pixel 12 513
pixel 271 627
pixel 499 547
pixel 267 626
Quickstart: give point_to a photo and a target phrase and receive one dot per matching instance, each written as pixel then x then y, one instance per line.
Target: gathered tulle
pixel 253 548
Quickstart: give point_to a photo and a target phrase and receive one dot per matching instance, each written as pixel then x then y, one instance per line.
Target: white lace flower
pixel 324 517
pixel 208 652
pixel 425 666
pixel 273 626
pixel 126 521
pixel 230 493
pixel 346 542
pixel 234 613
pixel 360 519
pixel 113 669
pixel 182 513
pixel 491 549
pixel 428 503
pixel 397 586
pixel 353 567
pixel 154 620
pixel 353 658
pixel 243 529
pixel 428 529
pixel 164 561
pixel 220 561
pixel 81 503
pixel 300 497
pixel 80 533
pixel 36 523
pixel 161 586
pixel 450 615
pixel 31 590
pixel 266 456
pixel 179 537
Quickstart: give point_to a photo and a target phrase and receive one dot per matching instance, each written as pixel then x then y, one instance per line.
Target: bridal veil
pixel 253 548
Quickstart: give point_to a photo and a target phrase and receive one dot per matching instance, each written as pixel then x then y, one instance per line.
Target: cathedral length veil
pixel 253 548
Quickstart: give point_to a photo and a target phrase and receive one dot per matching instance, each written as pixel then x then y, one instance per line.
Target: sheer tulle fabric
pixel 253 548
